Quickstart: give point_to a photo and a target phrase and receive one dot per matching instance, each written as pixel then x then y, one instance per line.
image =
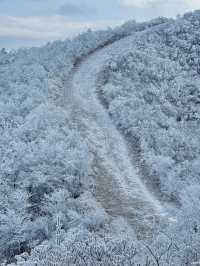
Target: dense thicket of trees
pixel 152 94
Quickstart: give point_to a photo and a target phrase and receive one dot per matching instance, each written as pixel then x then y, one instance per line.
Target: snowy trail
pixel 119 187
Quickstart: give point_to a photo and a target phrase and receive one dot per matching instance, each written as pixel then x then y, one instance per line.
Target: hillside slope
pixel 96 128
pixel 152 94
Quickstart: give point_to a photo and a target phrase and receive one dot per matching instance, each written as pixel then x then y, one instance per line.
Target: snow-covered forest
pixel 50 213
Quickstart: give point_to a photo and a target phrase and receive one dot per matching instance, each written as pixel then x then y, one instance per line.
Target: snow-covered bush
pixel 38 158
pixel 84 248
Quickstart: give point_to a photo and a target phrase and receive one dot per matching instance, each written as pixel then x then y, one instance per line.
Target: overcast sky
pixel 34 22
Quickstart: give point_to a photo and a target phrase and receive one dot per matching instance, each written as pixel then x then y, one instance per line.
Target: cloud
pixel 138 3
pixel 76 10
pixel 38 21
pixel 46 28
pixel 147 9
pixel 71 9
pixel 34 27
pixel 92 10
pixel 192 4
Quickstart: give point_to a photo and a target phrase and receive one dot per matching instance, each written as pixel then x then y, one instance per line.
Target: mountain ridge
pixel 59 145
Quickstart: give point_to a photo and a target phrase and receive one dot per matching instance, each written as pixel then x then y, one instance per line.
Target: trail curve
pixel 119 187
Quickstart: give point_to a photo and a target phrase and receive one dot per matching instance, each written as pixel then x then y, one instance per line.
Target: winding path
pixel 119 186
